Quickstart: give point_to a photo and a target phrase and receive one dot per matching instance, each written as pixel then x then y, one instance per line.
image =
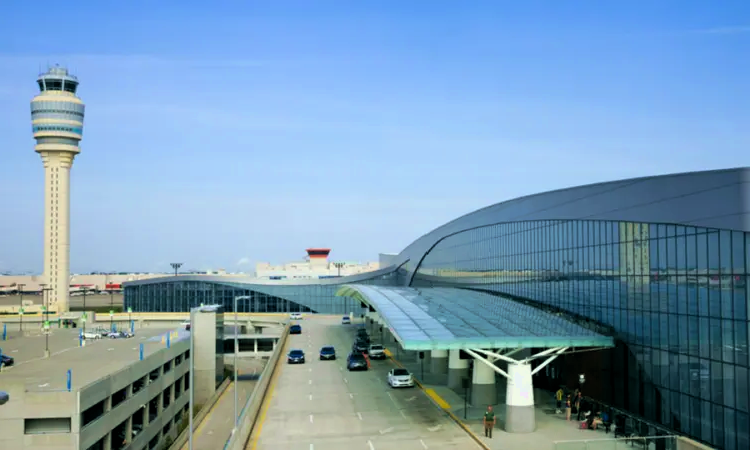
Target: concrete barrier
pixel 250 411
pixel 181 440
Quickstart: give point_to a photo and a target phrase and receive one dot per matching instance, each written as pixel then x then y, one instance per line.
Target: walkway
pixel 550 426
pixel 216 427
pixel 321 405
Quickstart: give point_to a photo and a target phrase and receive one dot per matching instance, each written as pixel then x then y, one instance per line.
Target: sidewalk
pixel 550 426
pixel 216 427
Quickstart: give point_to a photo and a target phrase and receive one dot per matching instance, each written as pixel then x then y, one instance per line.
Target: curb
pixel 458 421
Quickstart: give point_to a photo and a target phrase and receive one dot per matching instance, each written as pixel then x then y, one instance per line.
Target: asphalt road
pixel 321 405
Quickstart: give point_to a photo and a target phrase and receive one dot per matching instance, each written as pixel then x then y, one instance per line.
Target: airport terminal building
pixel 658 263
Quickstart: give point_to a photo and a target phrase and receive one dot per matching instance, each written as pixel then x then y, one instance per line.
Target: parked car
pixel 400 378
pixel 346 320
pixel 7 361
pixel 295 316
pixel 91 334
pixel 356 361
pixel 120 335
pixel 360 347
pixel 376 351
pixel 295 329
pixel 295 356
pixel 186 325
pixel 327 353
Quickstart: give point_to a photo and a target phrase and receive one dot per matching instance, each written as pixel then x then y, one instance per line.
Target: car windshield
pixel 327 350
pixel 357 356
pixel 377 347
pixel 400 372
pixel 296 327
pixel 296 353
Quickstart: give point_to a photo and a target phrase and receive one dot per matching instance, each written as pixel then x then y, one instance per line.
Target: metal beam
pixel 549 360
pixel 485 361
pixel 496 355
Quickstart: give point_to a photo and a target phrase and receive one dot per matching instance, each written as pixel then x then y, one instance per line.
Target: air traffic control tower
pixel 57 123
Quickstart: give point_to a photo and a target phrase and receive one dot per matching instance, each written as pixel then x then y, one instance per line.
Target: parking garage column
pixel 458 369
pixel 483 390
pixel 519 400
pixel 439 362
pixel 128 430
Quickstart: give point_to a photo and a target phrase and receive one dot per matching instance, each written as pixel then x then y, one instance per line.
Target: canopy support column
pixel 458 369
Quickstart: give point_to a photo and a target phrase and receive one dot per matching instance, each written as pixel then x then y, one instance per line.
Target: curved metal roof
pixel 449 318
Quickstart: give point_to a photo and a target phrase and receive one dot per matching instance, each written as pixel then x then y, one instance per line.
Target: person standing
pixel 489 422
pixel 559 397
pixel 567 408
pixel 578 402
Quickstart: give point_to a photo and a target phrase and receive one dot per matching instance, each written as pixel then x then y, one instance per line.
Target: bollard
pixel 1 360
pixel 5 331
pixel 70 379
pixel 163 339
pixel 141 353
pixel 80 339
pixel 132 327
pixel 168 341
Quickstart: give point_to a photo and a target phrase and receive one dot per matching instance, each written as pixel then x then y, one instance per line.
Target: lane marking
pixel 372 447
pixel 345 380
pixel 402 413
pixel 435 428
pixel 311 419
pixel 411 399
pixel 359 414
pixel 351 395
pixel 387 430
pixel 420 441
pixel 310 396
pixel 310 369
pixel 309 381
pixel 312 447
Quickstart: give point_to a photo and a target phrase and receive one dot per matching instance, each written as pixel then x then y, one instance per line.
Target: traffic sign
pixel 130 310
pixel 20 311
pixel 46 324
pixel 111 312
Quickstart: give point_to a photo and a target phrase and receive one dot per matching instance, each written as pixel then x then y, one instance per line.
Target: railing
pixel 649 442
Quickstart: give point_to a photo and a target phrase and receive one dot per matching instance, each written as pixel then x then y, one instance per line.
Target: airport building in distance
pixel 658 263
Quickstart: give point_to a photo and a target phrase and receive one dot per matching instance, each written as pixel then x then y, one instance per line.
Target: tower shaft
pixel 57 166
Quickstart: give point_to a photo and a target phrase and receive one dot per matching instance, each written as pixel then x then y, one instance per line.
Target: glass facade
pixel 675 296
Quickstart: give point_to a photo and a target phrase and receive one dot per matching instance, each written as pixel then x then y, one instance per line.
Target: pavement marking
pixel 423 444
pixel 345 380
pixel 387 430
pixel 372 447
pixel 310 396
pixel 435 428
pixel 311 419
pixel 312 447
pixel 411 399
pixel 310 369
pixel 309 381
pixel 359 414
pixel 351 395
pixel 402 413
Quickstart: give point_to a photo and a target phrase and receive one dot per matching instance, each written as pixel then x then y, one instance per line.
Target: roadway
pixel 321 405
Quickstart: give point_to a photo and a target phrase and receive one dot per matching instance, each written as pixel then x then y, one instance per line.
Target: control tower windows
pixel 70 87
pixel 51 85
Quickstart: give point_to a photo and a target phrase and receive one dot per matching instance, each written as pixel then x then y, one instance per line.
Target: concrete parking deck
pixel 100 357
pixel 321 405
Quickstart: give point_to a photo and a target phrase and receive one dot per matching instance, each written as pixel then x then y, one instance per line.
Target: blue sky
pixel 242 131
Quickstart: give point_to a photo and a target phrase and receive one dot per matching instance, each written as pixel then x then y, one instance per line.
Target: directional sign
pixel 46 324
pixel 111 312
pixel 130 310
pixel 20 311
pixel 85 315
pixel 44 308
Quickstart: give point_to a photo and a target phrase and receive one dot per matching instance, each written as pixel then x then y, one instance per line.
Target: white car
pixel 91 335
pixel 377 351
pixel 120 335
pixel 400 378
pixel 295 316
pixel 346 320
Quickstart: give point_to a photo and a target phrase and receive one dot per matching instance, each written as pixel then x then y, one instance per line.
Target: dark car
pixel 356 361
pixel 362 332
pixel 327 353
pixel 7 361
pixel 360 347
pixel 295 329
pixel 295 356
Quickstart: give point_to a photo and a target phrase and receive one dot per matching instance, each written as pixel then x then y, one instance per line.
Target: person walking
pixel 489 422
pixel 578 402
pixel 567 408
pixel 559 398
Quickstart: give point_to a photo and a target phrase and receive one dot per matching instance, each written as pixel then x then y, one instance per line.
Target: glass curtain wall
pixel 676 296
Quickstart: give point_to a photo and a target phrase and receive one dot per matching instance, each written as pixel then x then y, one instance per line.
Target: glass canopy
pixel 450 318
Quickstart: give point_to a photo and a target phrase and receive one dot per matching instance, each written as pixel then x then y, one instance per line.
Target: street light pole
pixel 111 309
pixel 236 349
pixel 192 381
pixel 338 265
pixel 46 318
pixel 85 289
pixel 176 267
pixel 20 307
